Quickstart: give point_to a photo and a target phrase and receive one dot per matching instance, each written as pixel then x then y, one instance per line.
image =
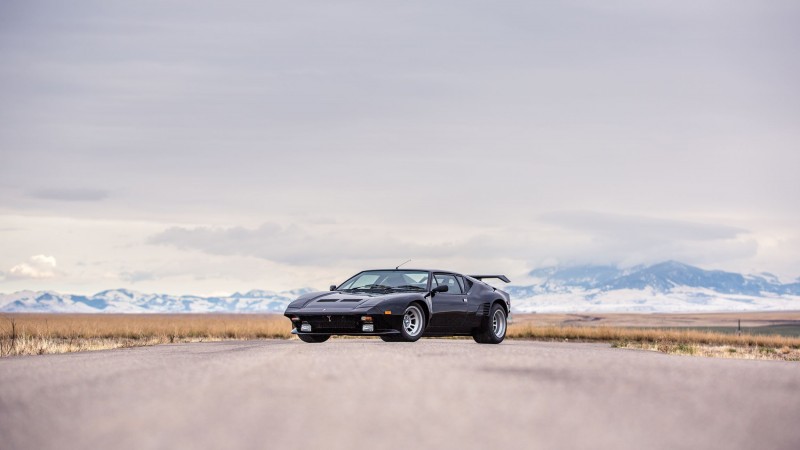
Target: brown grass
pixel 718 351
pixel 616 334
pixel 30 334
pixel 670 340
pixel 664 320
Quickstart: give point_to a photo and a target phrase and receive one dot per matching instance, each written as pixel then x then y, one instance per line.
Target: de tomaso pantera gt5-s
pixel 404 305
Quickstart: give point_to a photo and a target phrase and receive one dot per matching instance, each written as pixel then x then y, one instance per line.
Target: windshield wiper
pixel 383 287
pixel 377 287
pixel 409 287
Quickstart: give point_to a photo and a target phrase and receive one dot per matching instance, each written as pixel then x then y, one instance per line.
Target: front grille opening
pixel 345 323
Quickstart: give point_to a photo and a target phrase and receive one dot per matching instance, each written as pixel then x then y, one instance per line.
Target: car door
pixel 449 308
pixel 474 305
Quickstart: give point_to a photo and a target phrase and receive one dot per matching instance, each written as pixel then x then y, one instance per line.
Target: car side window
pixel 460 280
pixel 467 284
pixel 453 286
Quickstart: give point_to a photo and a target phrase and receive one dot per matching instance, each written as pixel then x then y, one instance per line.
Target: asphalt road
pixel 359 394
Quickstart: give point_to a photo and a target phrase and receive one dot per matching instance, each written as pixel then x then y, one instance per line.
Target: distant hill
pixel 125 301
pixel 665 287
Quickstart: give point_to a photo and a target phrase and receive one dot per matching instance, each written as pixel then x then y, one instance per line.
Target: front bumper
pixel 346 333
pixel 344 324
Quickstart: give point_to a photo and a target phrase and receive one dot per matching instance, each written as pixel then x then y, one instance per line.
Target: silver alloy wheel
pixel 412 321
pixel 499 323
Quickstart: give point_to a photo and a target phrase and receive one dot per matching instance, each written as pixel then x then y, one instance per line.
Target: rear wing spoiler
pixel 499 277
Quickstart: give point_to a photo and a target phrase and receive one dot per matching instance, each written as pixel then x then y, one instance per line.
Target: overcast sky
pixel 209 147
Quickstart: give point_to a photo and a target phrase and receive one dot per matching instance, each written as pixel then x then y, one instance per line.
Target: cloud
pixel 567 237
pixel 70 194
pixel 37 267
pixel 309 245
pixel 626 227
pixel 291 244
pixel 137 276
pixel 632 239
pixel 444 141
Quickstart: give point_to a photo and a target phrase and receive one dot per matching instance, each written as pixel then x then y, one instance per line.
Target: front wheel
pixel 314 339
pixel 413 324
pixel 494 329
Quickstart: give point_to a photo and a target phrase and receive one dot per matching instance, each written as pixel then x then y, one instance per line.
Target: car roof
pixel 411 270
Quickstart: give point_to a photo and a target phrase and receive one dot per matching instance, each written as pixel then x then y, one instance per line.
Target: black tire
pixel 493 330
pixel 314 339
pixel 413 323
pixel 391 338
pixel 479 338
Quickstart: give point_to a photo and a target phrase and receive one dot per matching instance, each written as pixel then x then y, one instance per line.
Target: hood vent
pixel 352 299
pixel 327 300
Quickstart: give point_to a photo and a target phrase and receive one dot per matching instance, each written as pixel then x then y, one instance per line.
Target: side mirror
pixel 434 291
pixel 333 287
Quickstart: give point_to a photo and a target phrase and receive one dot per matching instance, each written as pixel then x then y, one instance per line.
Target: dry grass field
pixel 36 334
pixel 749 320
pixel 764 335
pixel 692 334
pixel 670 340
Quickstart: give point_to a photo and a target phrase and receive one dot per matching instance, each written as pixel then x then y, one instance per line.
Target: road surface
pixel 366 394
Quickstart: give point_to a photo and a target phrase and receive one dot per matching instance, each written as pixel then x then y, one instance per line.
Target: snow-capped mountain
pixel 665 287
pixel 125 301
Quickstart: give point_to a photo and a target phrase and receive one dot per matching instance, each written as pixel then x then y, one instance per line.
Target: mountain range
pixel 665 287
pixel 126 301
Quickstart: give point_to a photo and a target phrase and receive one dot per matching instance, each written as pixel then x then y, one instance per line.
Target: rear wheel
pixel 413 324
pixel 493 330
pixel 314 339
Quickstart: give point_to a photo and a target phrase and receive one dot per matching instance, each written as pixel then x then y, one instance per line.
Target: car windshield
pixel 398 280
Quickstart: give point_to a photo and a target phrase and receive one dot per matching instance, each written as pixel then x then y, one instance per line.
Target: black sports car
pixel 404 305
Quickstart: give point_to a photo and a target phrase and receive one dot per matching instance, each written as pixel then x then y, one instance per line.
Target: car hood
pixel 344 301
